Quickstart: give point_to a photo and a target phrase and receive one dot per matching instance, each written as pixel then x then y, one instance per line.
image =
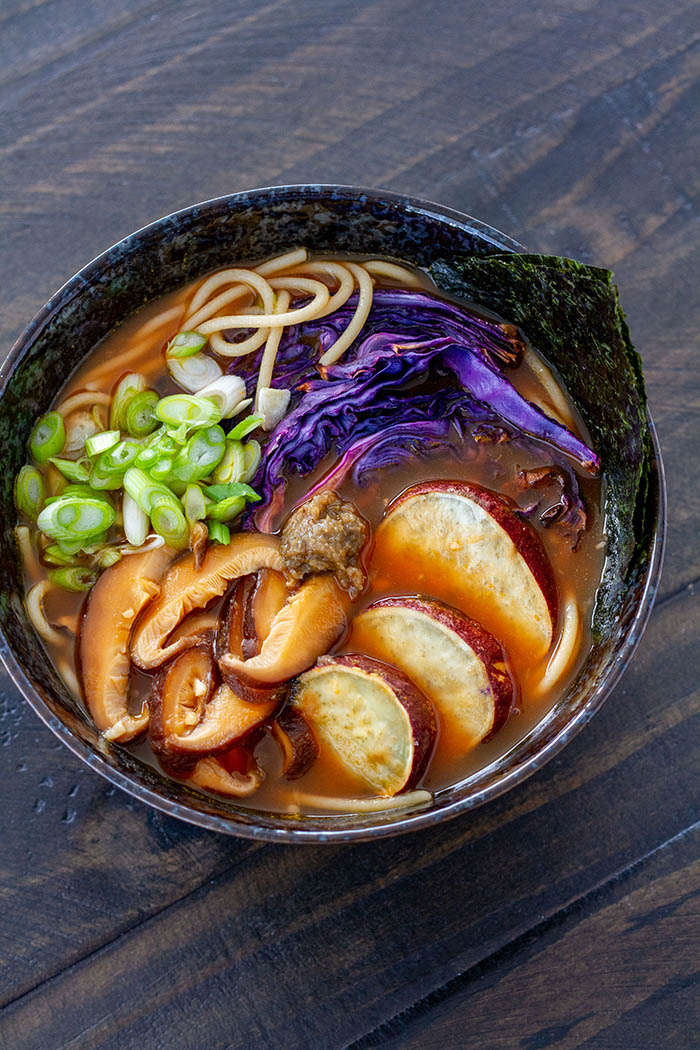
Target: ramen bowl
pixel 159 258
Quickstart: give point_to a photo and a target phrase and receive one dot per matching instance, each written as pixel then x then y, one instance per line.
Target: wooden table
pixel 565 914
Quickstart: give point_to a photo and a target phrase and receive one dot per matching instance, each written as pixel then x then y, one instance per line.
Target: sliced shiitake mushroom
pixel 380 725
pixel 244 626
pixel 115 601
pixel 212 775
pixel 311 621
pixel 298 744
pixel 185 588
pixel 193 714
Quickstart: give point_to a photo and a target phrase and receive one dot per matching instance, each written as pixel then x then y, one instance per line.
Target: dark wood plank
pixel 616 971
pixel 358 934
pixel 572 126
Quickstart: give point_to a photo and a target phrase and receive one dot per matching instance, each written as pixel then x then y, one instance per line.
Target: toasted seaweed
pixel 571 314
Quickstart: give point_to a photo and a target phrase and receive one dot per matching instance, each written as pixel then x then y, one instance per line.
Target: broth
pixel 139 344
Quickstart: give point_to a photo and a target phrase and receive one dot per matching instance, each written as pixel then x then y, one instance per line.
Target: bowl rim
pixel 410 821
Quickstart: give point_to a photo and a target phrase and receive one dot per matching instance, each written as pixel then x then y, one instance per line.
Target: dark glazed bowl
pixel 157 259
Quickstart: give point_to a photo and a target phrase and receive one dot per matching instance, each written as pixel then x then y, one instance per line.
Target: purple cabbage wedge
pixel 421 365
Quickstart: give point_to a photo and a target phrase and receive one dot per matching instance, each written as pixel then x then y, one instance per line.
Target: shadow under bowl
pixel 156 260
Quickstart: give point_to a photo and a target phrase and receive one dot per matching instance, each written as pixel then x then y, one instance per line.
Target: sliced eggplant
pixel 459 666
pixel 380 725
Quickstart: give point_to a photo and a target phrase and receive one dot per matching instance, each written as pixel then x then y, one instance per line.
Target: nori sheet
pixel 571 314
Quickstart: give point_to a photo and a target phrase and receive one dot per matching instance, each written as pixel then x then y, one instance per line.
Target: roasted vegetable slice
pixel 459 666
pixel 471 548
pixel 381 726
pixel 115 601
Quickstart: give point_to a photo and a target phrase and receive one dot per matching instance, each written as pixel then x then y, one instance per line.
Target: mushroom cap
pixel 115 601
pixel 185 588
pixel 312 620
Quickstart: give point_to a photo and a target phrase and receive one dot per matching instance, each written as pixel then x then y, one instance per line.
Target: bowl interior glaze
pixel 156 260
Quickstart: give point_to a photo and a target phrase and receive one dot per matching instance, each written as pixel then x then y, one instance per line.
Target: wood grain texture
pixel 574 127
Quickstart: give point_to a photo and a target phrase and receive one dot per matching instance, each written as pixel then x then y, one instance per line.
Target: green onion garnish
pixel 170 523
pixel 107 557
pixel 227 509
pixel 54 555
pixel 29 492
pixel 73 469
pixel 98 443
pixel 185 344
pixel 139 415
pixel 127 388
pixel 253 455
pixel 232 464
pixel 218 532
pixel 194 503
pixel 47 437
pixel 186 410
pixel 109 468
pixel 234 490
pixel 75 519
pixel 244 428
pixel 76 578
pixel 161 469
pixel 199 456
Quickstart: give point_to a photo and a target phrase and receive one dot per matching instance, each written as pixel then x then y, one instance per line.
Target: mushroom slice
pixel 192 714
pixel 115 601
pixel 185 588
pixel 212 775
pixel 298 744
pixel 248 616
pixel 199 628
pixel 311 621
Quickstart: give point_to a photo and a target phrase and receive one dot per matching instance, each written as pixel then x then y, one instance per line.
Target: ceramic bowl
pixel 156 260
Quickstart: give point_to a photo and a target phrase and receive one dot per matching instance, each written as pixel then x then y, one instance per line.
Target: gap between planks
pixel 396 1024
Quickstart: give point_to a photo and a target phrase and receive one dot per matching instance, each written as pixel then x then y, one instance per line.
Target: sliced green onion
pixel 109 468
pixel 76 578
pixel 231 465
pixel 194 503
pixel 244 428
pixel 194 372
pixel 162 468
pixel 73 469
pixel 135 521
pixel 227 509
pixel 98 443
pixel 29 491
pixel 186 410
pixel 185 344
pixel 232 490
pixel 107 557
pixel 127 388
pixel 47 437
pixel 147 492
pixel 253 455
pixel 199 456
pixel 74 519
pixel 85 492
pixel 226 393
pixel 54 555
pixel 139 415
pixel 170 523
pixel 218 532
pixel 146 458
